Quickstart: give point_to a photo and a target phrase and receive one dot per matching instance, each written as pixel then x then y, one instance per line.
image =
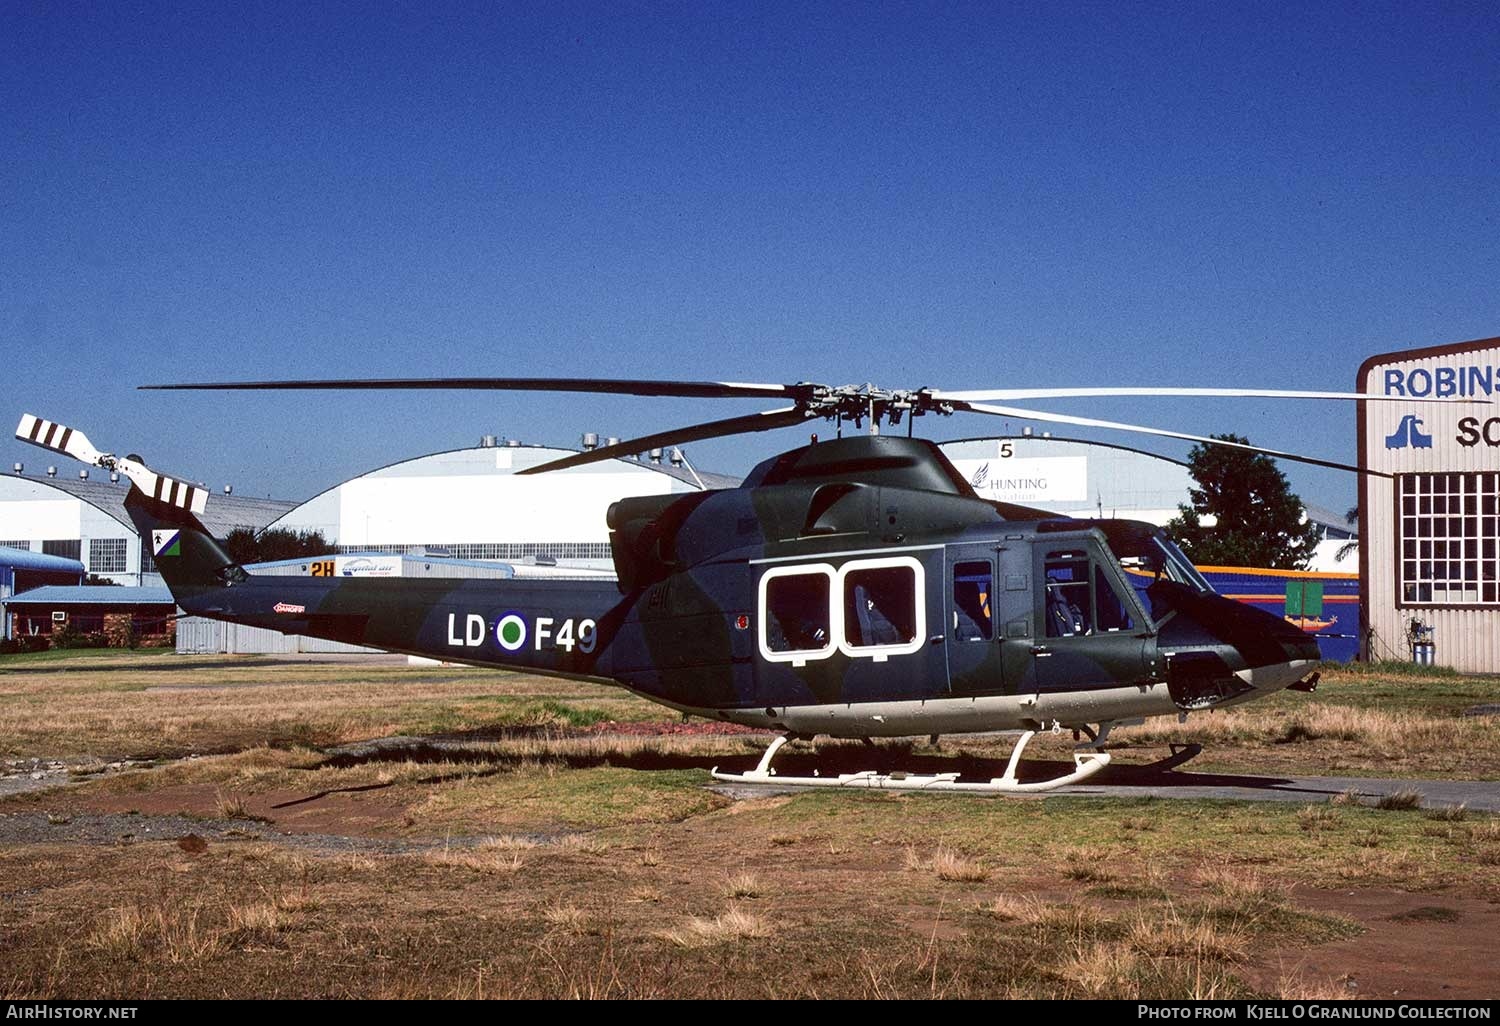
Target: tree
pixel 245 546
pixel 1257 520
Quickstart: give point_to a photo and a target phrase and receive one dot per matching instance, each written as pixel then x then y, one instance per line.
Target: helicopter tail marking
pixel 59 438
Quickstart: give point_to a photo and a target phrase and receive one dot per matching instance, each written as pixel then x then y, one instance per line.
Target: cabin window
pixel 880 607
pixel 866 609
pixel 883 607
pixel 972 585
pixel 796 622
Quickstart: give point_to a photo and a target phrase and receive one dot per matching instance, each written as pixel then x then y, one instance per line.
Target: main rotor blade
pixel 990 394
pixel 683 389
pixel 767 421
pixel 1059 418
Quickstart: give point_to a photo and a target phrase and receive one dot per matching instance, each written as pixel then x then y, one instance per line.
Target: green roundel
pixel 510 632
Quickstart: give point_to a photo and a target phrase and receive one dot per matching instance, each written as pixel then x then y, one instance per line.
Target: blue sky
pixel 913 194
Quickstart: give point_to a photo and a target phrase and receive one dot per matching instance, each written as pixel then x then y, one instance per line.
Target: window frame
pixel 880 653
pixel 1457 485
pixel 837 582
pixel 799 657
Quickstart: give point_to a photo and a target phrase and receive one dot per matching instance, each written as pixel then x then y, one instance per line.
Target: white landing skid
pixel 1086 764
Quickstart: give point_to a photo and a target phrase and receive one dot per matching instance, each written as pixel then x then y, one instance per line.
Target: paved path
pixel 1138 781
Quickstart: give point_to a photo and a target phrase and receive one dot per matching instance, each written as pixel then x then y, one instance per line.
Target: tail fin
pixel 163 509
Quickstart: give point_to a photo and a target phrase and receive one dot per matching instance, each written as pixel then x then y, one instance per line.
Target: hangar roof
pixel 92 595
pixel 223 514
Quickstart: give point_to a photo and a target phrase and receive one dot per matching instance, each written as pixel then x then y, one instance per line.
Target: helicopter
pixel 855 587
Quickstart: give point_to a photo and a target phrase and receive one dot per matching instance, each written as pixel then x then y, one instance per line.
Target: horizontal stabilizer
pixel 58 438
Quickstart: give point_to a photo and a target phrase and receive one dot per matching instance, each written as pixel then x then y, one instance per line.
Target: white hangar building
pixel 1432 528
pixel 83 518
pixel 470 504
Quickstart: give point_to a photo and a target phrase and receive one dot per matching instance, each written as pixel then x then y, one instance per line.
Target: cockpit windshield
pixel 1163 559
pixel 1147 556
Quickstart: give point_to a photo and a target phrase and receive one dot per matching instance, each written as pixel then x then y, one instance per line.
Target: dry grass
pixel 169 705
pixel 118 933
pixel 1328 737
pixel 567 918
pixel 479 860
pixel 1489 830
pixel 168 933
pixel 743 885
pixel 1406 798
pixel 733 925
pixel 1317 817
pixel 1448 813
pixel 575 871
pixel 1088 873
pixel 1237 885
pixel 509 843
pixel 256 920
pixel 1008 908
pixel 231 806
pixel 1103 970
pixel 1172 935
pixel 1297 987
pixel 952 867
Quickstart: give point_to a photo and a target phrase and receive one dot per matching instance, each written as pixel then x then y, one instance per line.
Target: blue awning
pixel 23 559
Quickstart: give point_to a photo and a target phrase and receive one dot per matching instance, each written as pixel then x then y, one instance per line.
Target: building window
pixel 67 548
pixel 107 555
pixel 490 550
pixel 1449 528
pixel 20 543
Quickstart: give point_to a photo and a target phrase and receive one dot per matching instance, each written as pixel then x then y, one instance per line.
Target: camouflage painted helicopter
pixel 855 587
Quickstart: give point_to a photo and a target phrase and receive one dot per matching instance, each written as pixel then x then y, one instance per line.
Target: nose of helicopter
pixel 1261 650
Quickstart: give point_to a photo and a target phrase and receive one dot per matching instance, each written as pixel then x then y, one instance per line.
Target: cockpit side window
pixel 1069 608
pixel 1081 597
pixel 1113 611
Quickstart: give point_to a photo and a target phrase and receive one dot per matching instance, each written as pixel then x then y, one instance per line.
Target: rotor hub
pixel 858 403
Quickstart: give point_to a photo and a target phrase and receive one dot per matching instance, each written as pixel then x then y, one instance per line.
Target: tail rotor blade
pixel 70 442
pixel 49 434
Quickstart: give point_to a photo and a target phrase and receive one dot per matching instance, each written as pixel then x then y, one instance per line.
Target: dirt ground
pixel 569 858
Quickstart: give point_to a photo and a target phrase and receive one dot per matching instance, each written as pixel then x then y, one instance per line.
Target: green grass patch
pixel 542 797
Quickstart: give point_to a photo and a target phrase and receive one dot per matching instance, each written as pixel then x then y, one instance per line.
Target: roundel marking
pixel 510 632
